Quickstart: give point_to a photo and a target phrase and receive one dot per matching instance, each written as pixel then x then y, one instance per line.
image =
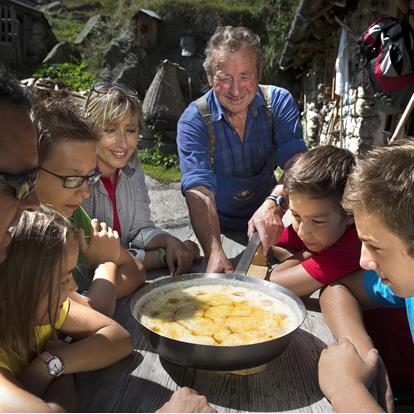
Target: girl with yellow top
pixel 35 311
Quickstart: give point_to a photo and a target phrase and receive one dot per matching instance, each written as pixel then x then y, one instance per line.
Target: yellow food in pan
pixel 218 315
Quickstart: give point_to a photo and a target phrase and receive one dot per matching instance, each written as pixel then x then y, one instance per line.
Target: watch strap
pixel 279 200
pixel 46 356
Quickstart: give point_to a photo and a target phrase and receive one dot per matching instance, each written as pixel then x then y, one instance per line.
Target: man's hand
pixel 104 244
pixel 186 400
pixel 218 263
pixel 340 369
pixel 193 248
pixel 179 257
pixel 267 222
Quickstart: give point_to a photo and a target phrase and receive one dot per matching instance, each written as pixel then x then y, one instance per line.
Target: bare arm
pixel 341 305
pixel 14 398
pixel 204 218
pixel 130 274
pixel 294 277
pixel 100 340
pixel 345 377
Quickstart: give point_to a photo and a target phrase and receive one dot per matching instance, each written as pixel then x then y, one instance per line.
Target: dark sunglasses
pixel 22 184
pixel 75 181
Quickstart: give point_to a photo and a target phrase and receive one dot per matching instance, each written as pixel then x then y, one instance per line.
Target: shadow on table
pixel 289 382
pixel 101 388
pixel 151 396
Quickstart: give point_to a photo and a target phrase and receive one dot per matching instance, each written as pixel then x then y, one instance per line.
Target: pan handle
pixel 248 254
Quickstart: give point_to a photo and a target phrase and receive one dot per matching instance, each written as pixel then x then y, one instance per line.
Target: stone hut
pixel 321 49
pixel 25 33
pixel 145 26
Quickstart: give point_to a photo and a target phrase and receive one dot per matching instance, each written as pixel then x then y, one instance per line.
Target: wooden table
pixel 142 383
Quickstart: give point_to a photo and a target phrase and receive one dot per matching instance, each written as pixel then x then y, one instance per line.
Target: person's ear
pixel 210 80
pixel 349 219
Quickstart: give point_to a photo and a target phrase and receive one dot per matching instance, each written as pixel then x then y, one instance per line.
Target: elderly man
pixel 230 142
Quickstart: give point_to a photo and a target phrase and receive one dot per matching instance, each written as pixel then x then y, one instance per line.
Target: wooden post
pixel 341 105
pixel 399 131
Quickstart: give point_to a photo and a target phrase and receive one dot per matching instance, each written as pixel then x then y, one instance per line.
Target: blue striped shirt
pixel 234 157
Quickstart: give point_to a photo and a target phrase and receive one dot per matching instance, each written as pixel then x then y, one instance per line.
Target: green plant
pixel 164 175
pixel 155 156
pixel 76 76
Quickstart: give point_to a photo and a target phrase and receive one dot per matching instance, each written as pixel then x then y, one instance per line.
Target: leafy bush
pixel 76 76
pixel 155 156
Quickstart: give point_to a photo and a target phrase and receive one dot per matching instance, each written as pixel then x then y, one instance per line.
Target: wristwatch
pixel 279 200
pixel 54 363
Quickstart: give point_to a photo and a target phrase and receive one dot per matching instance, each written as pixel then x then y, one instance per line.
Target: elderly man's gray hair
pixel 231 39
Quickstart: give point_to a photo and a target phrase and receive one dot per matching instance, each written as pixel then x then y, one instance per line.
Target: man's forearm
pixel 343 315
pixel 204 219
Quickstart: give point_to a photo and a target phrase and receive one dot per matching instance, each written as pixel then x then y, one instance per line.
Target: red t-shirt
pixel 330 264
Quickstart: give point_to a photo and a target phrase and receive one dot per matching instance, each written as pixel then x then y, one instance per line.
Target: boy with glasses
pixel 67 154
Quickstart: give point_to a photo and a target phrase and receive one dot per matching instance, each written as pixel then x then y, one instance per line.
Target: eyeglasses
pixel 75 181
pixel 102 88
pixel 22 184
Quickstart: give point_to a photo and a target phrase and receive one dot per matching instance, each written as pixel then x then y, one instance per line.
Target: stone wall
pixel 358 114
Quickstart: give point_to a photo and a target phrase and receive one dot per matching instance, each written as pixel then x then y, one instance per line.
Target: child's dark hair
pixel 59 119
pixel 322 172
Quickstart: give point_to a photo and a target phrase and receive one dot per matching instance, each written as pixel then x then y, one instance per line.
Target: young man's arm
pixel 342 304
pixel 204 218
pixel 345 377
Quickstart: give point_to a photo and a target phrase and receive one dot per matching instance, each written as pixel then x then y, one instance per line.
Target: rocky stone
pixel 61 53
pixel 93 24
pixel 364 108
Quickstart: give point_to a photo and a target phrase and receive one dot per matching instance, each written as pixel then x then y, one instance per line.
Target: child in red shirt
pixel 321 245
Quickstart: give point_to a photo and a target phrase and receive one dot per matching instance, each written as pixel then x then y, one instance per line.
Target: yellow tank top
pixel 13 363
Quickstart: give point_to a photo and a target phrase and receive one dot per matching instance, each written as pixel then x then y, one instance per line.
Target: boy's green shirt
pixel 84 272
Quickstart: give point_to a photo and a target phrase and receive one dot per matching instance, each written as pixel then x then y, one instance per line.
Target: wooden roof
pixel 23 7
pixel 149 13
pixel 314 21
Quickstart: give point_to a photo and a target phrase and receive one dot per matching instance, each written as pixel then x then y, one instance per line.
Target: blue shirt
pixel 382 295
pixel 234 157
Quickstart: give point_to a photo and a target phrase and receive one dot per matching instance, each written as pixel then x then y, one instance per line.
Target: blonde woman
pixel 120 198
pixel 36 278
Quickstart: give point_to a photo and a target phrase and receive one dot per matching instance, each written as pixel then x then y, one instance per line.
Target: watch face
pixel 55 366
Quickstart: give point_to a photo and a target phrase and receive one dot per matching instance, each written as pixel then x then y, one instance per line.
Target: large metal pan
pixel 218 358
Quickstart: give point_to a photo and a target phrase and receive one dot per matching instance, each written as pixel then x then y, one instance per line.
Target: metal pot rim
pixel 266 286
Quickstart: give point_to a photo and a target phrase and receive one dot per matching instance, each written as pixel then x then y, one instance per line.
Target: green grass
pixel 165 175
pixel 65 29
